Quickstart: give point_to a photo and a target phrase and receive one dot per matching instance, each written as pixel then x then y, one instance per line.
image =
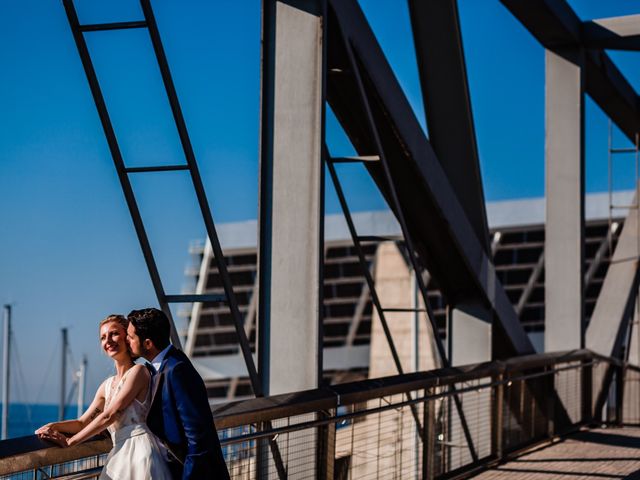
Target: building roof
pixel 517 228
pixel 502 214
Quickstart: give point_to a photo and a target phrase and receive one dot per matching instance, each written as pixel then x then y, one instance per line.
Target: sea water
pixel 24 419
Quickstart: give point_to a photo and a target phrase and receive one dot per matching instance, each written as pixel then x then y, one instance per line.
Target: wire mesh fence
pixel 444 427
pixel 631 396
pixel 78 469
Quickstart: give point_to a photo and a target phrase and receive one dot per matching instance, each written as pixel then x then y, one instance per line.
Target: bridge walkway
pixel 604 453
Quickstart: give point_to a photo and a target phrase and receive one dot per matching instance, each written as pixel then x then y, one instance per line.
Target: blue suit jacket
pixel 181 417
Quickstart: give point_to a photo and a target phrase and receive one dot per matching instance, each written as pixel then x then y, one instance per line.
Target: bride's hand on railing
pixel 45 429
pixel 56 437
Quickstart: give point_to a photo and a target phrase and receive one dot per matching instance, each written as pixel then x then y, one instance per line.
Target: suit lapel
pixel 158 379
pixel 159 376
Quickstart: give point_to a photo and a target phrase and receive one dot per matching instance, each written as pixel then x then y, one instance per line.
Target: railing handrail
pixel 29 452
pixel 232 414
pixel 26 453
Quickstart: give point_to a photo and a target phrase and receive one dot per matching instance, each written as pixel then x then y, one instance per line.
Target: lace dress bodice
pixel 135 414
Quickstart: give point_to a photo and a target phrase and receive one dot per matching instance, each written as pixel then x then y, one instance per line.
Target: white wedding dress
pixel 135 454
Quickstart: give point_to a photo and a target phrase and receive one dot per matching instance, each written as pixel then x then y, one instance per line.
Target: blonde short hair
pixel 121 319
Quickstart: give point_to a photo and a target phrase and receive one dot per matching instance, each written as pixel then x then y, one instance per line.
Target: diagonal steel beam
pixel 617 33
pixel 555 25
pixel 363 299
pixel 438 225
pixel 531 284
pixel 447 105
pixel 600 254
pixel 495 243
pixel 614 307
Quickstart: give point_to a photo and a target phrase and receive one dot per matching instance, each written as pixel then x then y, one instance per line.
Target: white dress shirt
pixel 156 362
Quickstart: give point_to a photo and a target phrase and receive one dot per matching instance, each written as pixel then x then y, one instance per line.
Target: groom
pixel 180 415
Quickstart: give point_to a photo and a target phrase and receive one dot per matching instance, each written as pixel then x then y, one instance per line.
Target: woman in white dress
pixel 121 405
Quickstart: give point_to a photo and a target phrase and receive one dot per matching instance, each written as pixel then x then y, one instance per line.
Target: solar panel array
pixel 517 255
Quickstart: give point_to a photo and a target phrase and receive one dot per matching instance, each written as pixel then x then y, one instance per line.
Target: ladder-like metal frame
pixel 603 394
pixel 635 150
pixel 395 204
pixel 612 151
pixel 612 207
pixel 191 166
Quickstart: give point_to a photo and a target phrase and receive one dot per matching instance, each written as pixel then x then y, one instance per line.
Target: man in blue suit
pixel 180 415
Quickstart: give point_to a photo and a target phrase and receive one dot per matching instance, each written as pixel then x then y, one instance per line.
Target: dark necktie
pixel 151 368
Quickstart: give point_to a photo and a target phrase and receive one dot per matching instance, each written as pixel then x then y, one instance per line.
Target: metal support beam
pixel 564 229
pixel 600 254
pixel 233 387
pixel 447 105
pixel 291 196
pixel 118 160
pixel 531 284
pixel 357 314
pixel 555 25
pixel 447 244
pixel 250 317
pixel 616 33
pixel 370 108
pixel 495 243
pixel 614 308
pixel 191 166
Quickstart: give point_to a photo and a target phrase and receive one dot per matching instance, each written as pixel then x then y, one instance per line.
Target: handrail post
pixel 429 437
pixel 498 417
pixel 620 373
pixel 326 446
pixel 587 391
pixel 262 455
pixel 551 399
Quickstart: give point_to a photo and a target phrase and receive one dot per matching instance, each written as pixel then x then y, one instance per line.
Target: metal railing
pixel 370 428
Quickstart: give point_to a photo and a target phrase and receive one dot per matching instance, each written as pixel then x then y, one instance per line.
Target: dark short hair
pixel 153 324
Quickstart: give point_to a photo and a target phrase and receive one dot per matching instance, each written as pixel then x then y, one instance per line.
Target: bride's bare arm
pixel 136 381
pixel 74 426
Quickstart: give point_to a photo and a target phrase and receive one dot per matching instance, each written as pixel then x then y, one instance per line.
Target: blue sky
pixel 68 251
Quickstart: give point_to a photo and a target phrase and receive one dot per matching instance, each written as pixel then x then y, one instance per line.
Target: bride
pixel 121 405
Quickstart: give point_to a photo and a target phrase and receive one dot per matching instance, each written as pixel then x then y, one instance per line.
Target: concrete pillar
pixel 564 233
pixel 291 215
pixel 470 331
pixel 291 196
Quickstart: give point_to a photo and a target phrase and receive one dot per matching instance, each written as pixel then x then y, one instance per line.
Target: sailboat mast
pixel 63 376
pixel 81 385
pixel 5 370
